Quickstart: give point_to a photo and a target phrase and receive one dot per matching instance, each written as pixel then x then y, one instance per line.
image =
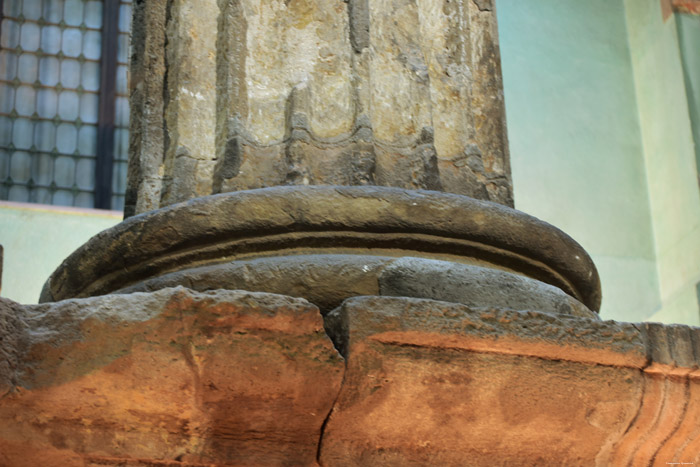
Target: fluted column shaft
pixel 230 95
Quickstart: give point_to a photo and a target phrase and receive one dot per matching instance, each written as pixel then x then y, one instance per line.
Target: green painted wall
pixel 602 142
pixel 36 239
pixel 689 38
pixel 669 155
pixel 575 139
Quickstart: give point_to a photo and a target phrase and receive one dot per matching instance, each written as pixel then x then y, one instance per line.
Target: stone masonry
pixel 231 95
pixel 320 265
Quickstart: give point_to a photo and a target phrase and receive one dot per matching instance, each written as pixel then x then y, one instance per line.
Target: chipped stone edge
pixel 671 350
pixel 56 325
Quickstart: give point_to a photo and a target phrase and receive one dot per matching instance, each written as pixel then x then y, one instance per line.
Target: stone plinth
pixel 180 378
pixel 434 383
pixel 174 376
pixel 233 95
pixel 331 243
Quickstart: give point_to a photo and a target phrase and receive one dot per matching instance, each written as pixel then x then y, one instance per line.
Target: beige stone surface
pixel 190 107
pixel 250 94
pixel 146 133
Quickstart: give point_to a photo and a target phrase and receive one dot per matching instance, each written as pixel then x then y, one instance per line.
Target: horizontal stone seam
pixel 551 352
pixel 672 371
pixel 177 257
pixel 519 347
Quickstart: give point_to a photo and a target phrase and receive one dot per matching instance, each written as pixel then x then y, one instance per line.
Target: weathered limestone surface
pixel 231 95
pixel 146 133
pixel 321 220
pixel 189 152
pixel 218 378
pixel 475 286
pixel 328 279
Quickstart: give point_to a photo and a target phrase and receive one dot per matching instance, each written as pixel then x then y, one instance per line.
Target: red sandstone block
pixel 435 383
pixel 145 379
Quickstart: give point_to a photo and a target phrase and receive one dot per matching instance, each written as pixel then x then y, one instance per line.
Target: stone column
pixel 240 94
pixel 359 291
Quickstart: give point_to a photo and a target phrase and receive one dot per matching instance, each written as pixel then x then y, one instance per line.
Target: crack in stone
pixel 322 433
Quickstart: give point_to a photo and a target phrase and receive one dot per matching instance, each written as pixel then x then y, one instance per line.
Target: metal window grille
pixel 121 107
pixel 54 108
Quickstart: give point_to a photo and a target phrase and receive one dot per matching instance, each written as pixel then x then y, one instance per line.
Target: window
pixel 64 107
